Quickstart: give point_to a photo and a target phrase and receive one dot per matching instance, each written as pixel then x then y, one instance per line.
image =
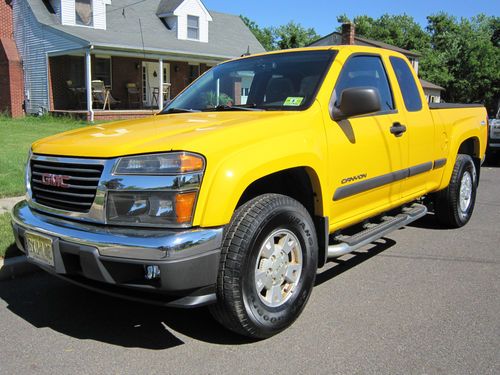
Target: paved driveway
pixel 423 300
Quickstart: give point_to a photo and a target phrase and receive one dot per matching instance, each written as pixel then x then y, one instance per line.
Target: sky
pixel 322 14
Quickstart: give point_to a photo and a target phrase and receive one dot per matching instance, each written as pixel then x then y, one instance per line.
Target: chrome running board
pixel 348 244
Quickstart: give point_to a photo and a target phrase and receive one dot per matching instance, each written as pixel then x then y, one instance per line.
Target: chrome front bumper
pixel 188 258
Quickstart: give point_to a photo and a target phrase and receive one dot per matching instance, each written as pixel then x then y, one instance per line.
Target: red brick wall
pixel 124 70
pixel 179 76
pixel 6 27
pixel 11 71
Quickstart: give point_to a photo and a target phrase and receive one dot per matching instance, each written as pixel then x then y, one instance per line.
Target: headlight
pixel 159 164
pixel 151 207
pixel 155 189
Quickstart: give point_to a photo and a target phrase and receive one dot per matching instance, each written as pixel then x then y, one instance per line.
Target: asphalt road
pixel 424 301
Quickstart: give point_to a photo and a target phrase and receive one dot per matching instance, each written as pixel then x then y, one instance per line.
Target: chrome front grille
pixel 64 185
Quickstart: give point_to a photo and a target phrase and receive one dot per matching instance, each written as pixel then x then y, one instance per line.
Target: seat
pixel 78 94
pixel 155 96
pixel 134 96
pixel 278 89
pixel 166 92
pixel 101 95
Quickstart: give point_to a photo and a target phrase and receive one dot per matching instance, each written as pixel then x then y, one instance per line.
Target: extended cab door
pixel 364 157
pixel 419 131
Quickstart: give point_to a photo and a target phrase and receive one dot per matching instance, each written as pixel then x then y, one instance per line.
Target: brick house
pixel 11 71
pixel 348 36
pixel 144 52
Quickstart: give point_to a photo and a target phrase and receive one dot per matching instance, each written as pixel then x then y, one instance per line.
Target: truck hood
pixel 160 133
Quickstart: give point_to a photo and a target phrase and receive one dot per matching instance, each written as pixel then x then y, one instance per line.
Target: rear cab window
pixel 407 84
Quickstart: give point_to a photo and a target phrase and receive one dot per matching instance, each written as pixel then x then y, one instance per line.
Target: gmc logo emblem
pixel 56 180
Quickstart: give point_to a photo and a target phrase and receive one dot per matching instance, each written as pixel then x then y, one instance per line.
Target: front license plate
pixel 39 248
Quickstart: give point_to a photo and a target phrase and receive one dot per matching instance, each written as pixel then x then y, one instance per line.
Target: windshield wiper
pixel 179 110
pixel 234 108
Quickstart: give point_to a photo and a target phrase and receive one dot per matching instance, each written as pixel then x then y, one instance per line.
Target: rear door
pixel 419 130
pixel 363 153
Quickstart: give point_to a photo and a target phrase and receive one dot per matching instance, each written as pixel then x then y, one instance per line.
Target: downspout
pixel 88 83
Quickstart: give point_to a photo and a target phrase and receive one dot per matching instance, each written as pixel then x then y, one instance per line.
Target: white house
pixel 155 47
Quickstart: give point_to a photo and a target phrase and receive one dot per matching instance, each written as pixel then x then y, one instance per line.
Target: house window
pixel 193 27
pixel 84 12
pixel 102 70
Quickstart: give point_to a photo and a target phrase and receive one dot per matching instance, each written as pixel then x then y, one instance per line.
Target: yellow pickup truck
pixel 248 181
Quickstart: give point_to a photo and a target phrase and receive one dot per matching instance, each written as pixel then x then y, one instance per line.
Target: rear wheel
pixel 268 266
pixel 453 206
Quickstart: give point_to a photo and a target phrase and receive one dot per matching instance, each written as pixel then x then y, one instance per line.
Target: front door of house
pixel 151 82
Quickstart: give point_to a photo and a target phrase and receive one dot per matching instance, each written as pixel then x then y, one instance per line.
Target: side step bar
pixel 376 231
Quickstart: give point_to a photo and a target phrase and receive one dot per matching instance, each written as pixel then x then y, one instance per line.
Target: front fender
pixel 226 182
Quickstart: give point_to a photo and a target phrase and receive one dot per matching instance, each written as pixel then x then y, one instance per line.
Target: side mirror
pixel 356 101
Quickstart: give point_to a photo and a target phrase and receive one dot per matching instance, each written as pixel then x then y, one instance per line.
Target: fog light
pixel 152 272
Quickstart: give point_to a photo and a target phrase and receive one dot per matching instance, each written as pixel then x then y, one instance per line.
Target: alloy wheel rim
pixel 465 197
pixel 278 268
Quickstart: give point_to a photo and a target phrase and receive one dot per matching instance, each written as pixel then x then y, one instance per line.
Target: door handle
pixel 398 129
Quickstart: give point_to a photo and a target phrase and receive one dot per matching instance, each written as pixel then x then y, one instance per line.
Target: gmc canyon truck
pixel 248 181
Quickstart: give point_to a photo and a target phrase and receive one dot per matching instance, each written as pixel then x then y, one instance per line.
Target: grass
pixel 8 246
pixel 16 137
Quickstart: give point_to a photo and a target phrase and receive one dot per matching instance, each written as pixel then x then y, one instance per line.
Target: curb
pixel 13 267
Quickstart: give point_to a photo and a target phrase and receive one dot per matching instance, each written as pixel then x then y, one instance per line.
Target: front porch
pixel 106 86
pixel 104 115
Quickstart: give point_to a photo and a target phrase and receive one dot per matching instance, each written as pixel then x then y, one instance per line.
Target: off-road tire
pixel 239 307
pixel 447 206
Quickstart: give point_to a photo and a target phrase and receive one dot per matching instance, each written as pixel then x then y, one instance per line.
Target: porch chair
pixel 166 92
pixel 134 96
pixel 101 95
pixel 78 94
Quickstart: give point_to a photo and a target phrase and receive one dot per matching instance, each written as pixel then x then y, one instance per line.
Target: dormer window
pixel 193 27
pixel 84 13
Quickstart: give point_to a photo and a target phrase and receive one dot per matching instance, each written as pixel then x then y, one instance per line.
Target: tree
pixel 291 35
pixel 462 55
pixel 398 30
pixel 264 35
pixel 469 57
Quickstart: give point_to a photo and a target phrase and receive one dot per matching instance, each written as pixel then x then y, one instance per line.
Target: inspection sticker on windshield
pixel 293 101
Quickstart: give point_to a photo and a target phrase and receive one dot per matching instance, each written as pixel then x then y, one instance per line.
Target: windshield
pixel 284 81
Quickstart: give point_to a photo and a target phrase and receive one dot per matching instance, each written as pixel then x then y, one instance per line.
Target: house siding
pixel 191 8
pixel 34 42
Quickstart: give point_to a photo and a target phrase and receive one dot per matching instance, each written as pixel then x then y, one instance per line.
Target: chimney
pixel 348 32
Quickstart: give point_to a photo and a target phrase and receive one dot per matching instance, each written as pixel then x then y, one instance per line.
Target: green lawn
pixel 8 247
pixel 16 137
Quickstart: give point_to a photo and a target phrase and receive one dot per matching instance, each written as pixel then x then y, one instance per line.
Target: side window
pixel 365 71
pixel 409 89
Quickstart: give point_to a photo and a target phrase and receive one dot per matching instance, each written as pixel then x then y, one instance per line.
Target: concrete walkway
pixel 6 204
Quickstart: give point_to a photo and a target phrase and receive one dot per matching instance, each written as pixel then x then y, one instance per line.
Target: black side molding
pixel 375 182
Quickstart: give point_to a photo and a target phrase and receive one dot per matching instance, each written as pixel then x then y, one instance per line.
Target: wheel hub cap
pixel 278 268
pixel 465 193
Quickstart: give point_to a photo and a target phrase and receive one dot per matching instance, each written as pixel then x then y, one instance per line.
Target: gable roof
pixel 168 6
pixel 429 85
pixel 134 26
pixel 335 38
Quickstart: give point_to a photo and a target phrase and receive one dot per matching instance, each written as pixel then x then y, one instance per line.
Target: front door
pixel 364 157
pixel 151 82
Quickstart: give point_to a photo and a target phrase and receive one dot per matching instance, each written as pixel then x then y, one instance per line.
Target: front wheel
pixel 453 206
pixel 267 268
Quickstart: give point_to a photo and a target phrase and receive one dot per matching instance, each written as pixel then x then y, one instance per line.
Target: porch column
pixel 88 84
pixel 160 96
